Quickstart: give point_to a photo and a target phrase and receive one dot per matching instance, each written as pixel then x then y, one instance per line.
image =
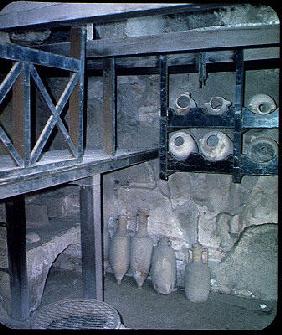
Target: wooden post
pixel 16 245
pixel 76 101
pixel 91 237
pixel 109 106
pixel 21 114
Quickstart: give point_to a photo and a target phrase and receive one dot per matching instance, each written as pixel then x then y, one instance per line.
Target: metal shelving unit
pixel 237 118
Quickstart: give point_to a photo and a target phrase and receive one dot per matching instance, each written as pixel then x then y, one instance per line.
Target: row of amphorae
pixel 140 255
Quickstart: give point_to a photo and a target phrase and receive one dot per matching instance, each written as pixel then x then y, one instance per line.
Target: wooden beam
pixel 193 40
pixel 20 181
pixel 26 14
pixel 21 118
pixel 109 106
pixel 91 238
pixel 24 54
pixel 16 245
pixel 76 101
pixel 180 59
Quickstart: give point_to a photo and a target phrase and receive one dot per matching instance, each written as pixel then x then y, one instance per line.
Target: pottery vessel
pixel 182 144
pixel 215 146
pixel 184 103
pixel 197 275
pixel 262 104
pixel 262 150
pixel 163 269
pixel 141 249
pixel 217 105
pixel 119 255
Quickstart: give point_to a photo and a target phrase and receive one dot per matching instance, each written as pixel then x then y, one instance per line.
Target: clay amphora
pixel 120 249
pixel 141 249
pixel 164 267
pixel 197 275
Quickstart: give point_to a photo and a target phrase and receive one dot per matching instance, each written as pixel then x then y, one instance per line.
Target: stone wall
pixel 237 222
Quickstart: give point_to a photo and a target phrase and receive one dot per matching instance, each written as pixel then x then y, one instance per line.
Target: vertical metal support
pixel 21 114
pixel 164 103
pixel 16 244
pixel 91 237
pixel 202 69
pixel 239 101
pixel 109 106
pixel 76 101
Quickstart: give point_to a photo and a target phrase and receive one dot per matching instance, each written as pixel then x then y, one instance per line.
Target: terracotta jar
pixel 120 249
pixel 164 267
pixel 197 275
pixel 141 249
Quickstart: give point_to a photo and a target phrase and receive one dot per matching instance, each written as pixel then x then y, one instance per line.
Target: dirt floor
pixel 146 309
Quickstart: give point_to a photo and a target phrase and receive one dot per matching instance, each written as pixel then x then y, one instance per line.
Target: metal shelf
pixel 200 118
pixel 237 118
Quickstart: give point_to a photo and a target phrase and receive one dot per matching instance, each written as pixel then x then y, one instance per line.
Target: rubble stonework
pixel 222 210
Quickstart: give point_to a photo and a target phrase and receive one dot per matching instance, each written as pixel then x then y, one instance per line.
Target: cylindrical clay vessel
pixel 163 269
pixel 141 249
pixel 182 144
pixel 119 254
pixel 215 146
pixel 197 275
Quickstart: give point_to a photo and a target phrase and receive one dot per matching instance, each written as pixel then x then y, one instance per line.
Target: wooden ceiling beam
pixel 27 14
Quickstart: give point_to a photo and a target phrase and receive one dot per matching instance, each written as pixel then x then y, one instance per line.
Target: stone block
pixel 41 259
pixel 64 206
pixel 70 258
pixel 137 176
pixel 252 264
pixel 142 26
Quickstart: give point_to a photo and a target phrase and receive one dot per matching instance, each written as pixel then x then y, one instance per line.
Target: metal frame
pixel 237 118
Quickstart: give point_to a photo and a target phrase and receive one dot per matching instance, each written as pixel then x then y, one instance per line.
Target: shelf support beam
pixel 109 106
pixel 91 237
pixel 239 100
pixel 164 98
pixel 16 245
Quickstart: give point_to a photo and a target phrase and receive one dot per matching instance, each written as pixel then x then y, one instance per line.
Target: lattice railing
pixel 18 143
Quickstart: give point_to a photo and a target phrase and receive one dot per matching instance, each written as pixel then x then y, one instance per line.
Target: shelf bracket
pixel 239 100
pixel 202 69
pixel 164 95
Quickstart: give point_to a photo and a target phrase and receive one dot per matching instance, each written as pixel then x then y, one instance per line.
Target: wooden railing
pixel 25 60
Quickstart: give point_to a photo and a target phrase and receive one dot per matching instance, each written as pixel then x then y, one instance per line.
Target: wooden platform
pixel 48 172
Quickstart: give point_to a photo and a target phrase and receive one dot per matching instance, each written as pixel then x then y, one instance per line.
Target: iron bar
pixel 202 69
pixel 164 94
pixel 239 100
